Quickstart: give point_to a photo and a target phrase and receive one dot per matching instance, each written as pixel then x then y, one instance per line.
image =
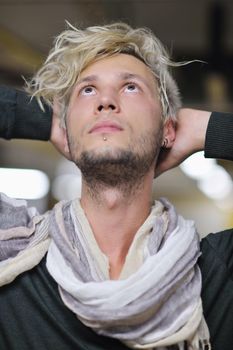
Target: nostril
pixel 100 108
pixel 110 106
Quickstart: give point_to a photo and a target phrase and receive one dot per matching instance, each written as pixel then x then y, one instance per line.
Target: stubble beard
pixel 120 169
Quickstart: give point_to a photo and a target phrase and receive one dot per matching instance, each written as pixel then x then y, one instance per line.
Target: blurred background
pixel 201 29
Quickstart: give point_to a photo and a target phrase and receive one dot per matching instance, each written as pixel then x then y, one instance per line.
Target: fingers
pixel 165 162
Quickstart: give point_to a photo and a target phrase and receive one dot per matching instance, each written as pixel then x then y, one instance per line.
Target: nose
pixel 108 101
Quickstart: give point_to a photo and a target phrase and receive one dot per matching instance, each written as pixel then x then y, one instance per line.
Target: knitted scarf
pixel 156 301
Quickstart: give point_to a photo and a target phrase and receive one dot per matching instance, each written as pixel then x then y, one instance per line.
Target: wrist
pixel 198 120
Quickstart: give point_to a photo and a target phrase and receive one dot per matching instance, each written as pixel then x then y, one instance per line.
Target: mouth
pixel 105 127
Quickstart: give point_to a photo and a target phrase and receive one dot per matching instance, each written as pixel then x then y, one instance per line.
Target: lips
pixel 105 126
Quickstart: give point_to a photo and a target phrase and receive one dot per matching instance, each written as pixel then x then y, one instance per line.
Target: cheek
pixel 147 116
pixel 77 116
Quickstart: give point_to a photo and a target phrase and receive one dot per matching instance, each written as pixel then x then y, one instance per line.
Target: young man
pixel 111 270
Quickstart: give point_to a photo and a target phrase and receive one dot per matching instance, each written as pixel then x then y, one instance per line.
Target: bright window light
pixel 217 185
pixel 212 179
pixel 24 183
pixel 197 167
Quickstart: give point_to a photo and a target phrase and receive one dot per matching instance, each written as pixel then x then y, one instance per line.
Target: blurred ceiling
pixel 200 29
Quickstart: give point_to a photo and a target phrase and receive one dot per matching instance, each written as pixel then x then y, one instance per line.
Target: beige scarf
pixel 156 302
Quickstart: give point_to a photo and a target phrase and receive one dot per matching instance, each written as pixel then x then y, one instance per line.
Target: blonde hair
pixel 75 49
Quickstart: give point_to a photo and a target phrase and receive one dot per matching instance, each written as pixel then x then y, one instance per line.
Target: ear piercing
pixel 165 143
pixel 105 138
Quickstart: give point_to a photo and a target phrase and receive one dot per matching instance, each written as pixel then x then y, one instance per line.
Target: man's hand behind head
pixel 58 133
pixel 190 138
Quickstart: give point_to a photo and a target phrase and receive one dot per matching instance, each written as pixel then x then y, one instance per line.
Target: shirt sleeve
pixel 219 136
pixel 21 116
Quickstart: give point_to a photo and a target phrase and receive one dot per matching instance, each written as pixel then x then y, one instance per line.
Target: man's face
pixel 115 109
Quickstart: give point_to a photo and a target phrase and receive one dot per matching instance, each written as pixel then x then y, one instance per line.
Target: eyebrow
pixel 88 79
pixel 121 75
pixel 126 76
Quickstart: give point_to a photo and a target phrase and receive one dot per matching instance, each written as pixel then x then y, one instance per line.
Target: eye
pixel 131 87
pixel 88 90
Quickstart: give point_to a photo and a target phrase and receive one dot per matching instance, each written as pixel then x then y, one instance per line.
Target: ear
pixel 64 140
pixel 58 135
pixel 169 133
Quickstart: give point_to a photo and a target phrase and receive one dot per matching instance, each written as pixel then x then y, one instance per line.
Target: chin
pixel 101 146
pixel 106 151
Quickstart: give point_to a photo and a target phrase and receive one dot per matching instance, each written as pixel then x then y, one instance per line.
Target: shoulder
pixel 217 252
pixel 220 246
pixel 216 264
pixel 21 228
pixel 15 212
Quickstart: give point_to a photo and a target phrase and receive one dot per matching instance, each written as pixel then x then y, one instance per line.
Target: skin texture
pixel 114 109
pixel 106 93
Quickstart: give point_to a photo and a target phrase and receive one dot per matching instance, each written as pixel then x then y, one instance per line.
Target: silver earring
pixel 165 143
pixel 105 138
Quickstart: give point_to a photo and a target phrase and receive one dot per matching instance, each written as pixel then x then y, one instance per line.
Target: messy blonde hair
pixel 75 49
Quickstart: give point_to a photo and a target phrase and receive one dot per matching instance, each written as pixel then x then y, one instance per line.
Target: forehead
pixel 119 65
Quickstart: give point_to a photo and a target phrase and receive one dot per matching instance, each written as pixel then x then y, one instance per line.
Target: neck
pixel 116 217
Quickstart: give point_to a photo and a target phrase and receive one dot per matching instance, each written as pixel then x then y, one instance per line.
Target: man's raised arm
pixel 21 116
pixel 198 130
